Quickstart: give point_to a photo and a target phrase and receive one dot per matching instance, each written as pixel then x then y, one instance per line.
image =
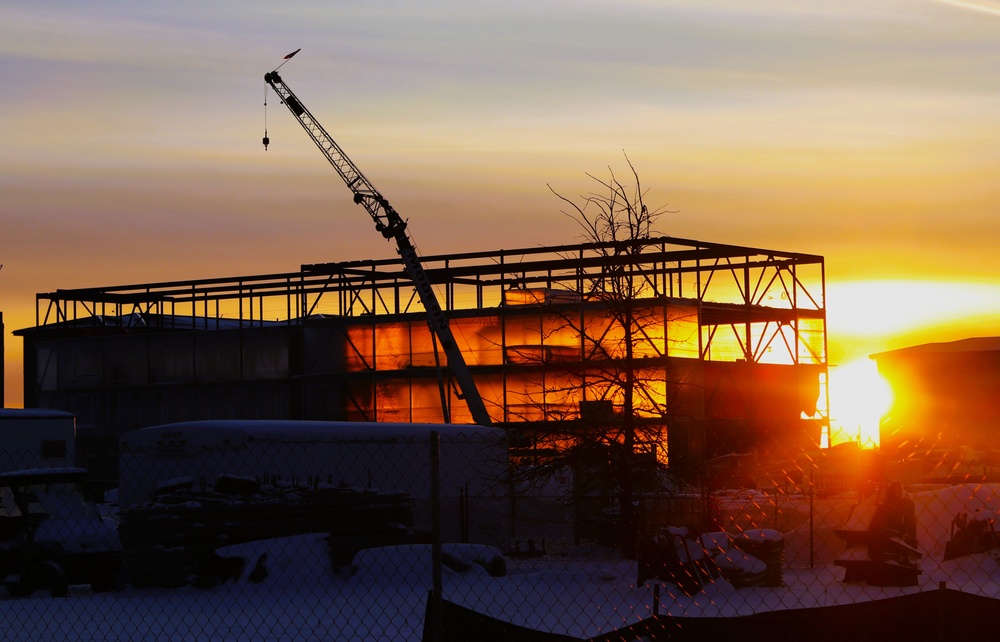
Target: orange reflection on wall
pixel 523 395
pixel 651 393
pixel 392 346
pixel 682 331
pixel 394 402
pixel 606 335
pixel 359 349
pixel 425 401
pixel 410 344
pixel 471 337
pixel 544 396
pixel 556 357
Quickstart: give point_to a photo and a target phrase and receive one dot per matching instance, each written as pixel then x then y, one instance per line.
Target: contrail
pixel 983 6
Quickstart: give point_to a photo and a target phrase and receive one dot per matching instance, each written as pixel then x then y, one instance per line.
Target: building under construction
pixel 729 343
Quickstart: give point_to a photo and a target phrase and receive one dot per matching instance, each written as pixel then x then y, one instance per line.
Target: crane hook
pixel 266 140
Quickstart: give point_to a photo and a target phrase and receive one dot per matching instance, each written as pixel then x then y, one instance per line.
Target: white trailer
pixel 36 438
pixel 388 457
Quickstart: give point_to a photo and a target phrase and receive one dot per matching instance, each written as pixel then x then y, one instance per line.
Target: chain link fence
pixel 409 534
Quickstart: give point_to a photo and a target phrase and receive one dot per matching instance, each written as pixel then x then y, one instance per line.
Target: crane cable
pixel 266 139
pixel 284 60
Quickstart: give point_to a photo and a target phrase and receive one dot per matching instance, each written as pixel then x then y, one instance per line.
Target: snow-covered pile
pixel 936 510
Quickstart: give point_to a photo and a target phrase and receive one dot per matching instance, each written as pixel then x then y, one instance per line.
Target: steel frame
pixel 755 297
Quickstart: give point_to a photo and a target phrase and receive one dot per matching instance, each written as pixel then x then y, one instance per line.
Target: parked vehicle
pixel 52 535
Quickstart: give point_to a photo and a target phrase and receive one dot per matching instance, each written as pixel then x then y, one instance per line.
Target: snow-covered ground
pixel 384 596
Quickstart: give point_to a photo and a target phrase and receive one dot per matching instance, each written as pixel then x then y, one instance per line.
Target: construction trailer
pixel 36 438
pixel 470 463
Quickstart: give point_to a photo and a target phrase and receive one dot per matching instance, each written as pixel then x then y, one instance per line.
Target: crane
pixel 392 226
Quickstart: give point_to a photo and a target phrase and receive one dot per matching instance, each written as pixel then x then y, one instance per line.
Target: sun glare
pixel 859 397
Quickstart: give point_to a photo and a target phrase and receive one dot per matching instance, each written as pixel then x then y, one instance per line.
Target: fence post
pixel 512 487
pixel 812 516
pixel 436 609
pixel 463 512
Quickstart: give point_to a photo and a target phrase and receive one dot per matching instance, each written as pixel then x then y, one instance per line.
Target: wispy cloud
pixel 983 6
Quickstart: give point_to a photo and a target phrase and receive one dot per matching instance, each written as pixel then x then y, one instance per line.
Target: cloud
pixel 983 6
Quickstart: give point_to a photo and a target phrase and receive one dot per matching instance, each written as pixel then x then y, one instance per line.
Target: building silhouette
pixel 945 416
pixel 732 339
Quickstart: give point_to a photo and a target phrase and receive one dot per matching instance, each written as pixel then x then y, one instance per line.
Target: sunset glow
pixel 883 307
pixel 862 132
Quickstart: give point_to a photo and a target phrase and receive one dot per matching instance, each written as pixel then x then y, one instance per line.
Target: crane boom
pixel 392 226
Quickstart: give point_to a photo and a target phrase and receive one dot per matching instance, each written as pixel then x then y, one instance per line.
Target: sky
pixel 866 132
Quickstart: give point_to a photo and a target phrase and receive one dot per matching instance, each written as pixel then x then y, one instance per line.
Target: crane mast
pixel 392 226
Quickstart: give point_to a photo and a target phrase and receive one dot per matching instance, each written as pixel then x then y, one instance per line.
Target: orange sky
pixel 867 134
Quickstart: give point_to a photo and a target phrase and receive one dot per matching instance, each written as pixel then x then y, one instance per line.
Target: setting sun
pixel 859 397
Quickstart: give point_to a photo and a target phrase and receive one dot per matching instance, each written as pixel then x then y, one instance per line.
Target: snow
pixel 79 534
pixel 65 471
pixel 762 535
pixel 715 541
pixel 735 559
pixel 33 413
pixel 383 595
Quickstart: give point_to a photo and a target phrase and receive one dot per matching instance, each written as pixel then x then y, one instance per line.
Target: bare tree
pixel 622 401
